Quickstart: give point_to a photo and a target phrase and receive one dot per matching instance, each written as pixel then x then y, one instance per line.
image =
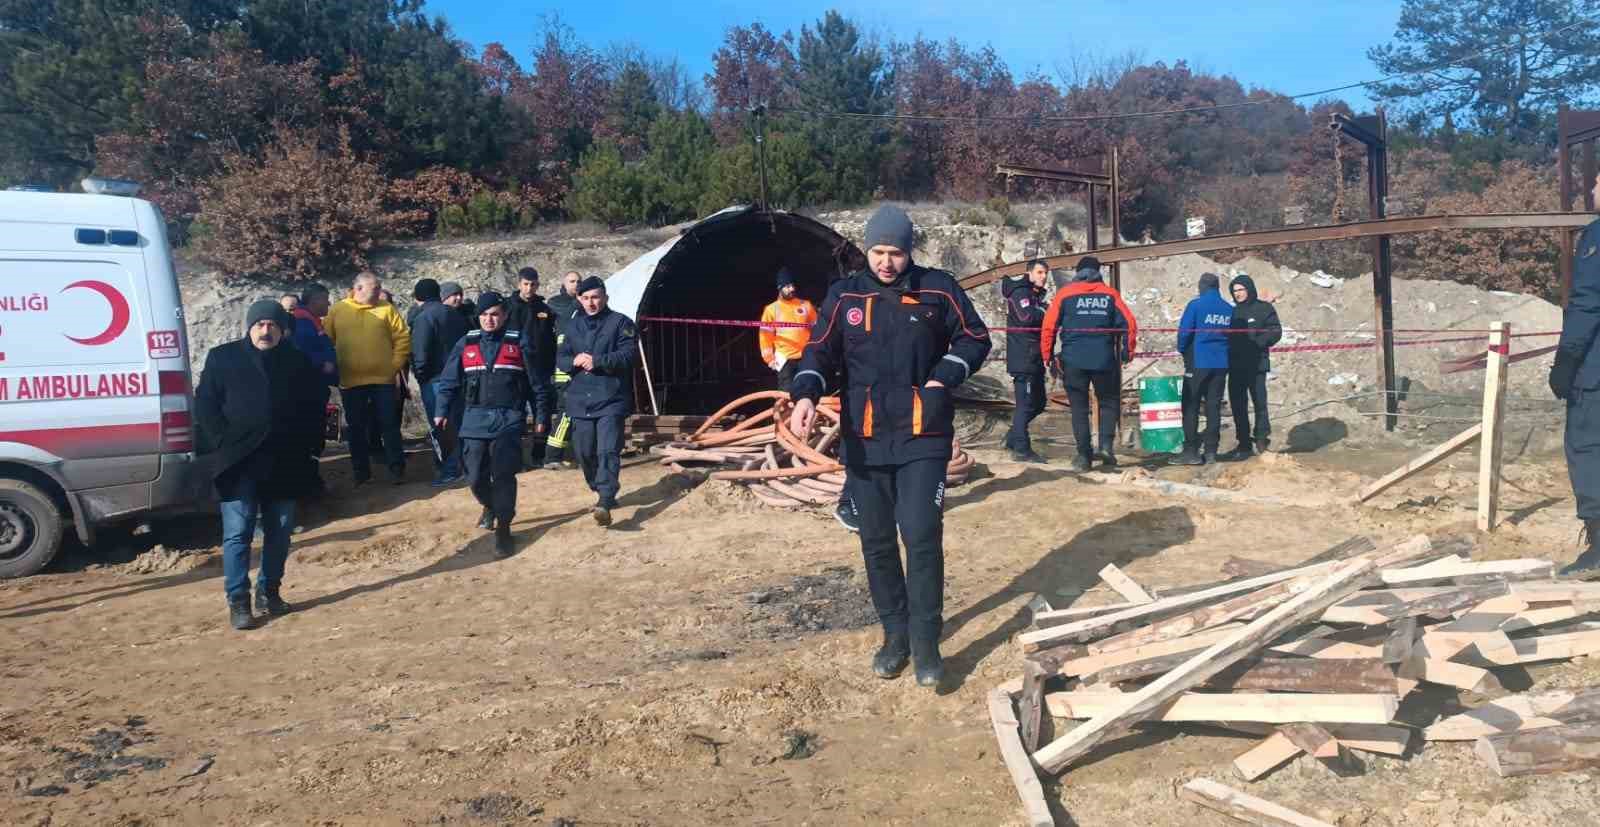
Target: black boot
pixel 601 514
pixel 1210 456
pixel 1587 565
pixel 1263 444
pixel 502 540
pixel 1187 457
pixel 239 612
pixel 930 666
pixel 271 602
pixel 1080 462
pixel 1239 454
pixel 893 656
pixel 1026 455
pixel 486 520
pixel 1107 456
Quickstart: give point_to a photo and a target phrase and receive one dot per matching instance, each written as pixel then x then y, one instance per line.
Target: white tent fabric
pixel 626 288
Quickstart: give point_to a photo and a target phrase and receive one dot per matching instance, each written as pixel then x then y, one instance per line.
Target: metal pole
pixel 648 385
pixel 760 113
pixel 1116 218
pixel 1564 172
pixel 1382 273
pixel 1094 221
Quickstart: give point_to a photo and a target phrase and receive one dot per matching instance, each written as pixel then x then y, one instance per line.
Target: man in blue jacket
pixel 496 377
pixel 309 337
pixel 599 351
pixel 1575 377
pixel 1203 341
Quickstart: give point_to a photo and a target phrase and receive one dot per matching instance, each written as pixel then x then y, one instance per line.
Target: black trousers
pixel 598 443
pixel 372 413
pixel 1030 397
pixel 491 466
pixel 1108 394
pixel 909 496
pixel 1244 388
pixel 786 374
pixel 1202 388
pixel 1582 446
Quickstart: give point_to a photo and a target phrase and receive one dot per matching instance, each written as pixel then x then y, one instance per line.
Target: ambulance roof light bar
pixel 111 186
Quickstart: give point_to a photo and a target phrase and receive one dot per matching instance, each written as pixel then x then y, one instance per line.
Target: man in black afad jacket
pixel 1025 309
pixel 1255 330
pixel 902 337
pixel 537 321
pixel 258 417
pixel 494 377
pixel 1575 377
pixel 599 351
pixel 435 330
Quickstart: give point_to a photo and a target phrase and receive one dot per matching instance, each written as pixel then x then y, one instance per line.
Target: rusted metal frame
pixel 1053 174
pixel 1404 225
pixel 1371 132
pixel 1116 217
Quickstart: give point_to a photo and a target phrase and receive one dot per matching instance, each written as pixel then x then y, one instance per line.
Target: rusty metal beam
pixel 1300 235
pixel 1053 174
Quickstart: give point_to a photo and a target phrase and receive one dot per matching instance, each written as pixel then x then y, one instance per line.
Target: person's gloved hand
pixel 1562 374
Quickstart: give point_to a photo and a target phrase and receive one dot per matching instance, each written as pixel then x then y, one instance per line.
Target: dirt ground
pixel 702 662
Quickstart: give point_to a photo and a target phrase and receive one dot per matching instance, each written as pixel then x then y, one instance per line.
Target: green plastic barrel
pixel 1161 414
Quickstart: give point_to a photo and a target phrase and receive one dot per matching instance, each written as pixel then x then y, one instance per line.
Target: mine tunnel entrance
pixel 723 268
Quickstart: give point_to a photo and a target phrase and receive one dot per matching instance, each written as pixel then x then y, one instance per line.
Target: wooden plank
pixel 1446 601
pixel 1313 740
pixel 1095 627
pixel 1092 663
pixel 1344 578
pixel 1264 757
pixel 1557 646
pixel 1236 566
pixel 1324 648
pixel 1257 707
pixel 1046 618
pixel 1306 675
pixel 1534 752
pixel 1124 585
pixel 1494 409
pixel 1397 649
pixel 1470 647
pixel 1244 807
pixel 1245 605
pixel 1385 739
pixel 1466 572
pixel 1551 592
pixel 1023 777
pixel 1516 713
pixel 1444 673
pixel 1422 463
pixel 1030 707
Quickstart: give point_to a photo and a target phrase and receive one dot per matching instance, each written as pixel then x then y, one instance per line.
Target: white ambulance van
pixel 95 397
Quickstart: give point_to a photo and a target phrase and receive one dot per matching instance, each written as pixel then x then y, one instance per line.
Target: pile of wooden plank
pixel 1316 659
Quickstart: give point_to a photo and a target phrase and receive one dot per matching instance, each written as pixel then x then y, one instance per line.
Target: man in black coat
pixel 258 417
pixel 599 351
pixel 1025 309
pixel 435 329
pixel 564 304
pixel 1255 330
pixel 1575 377
pixel 902 337
pixel 494 377
pixel 537 322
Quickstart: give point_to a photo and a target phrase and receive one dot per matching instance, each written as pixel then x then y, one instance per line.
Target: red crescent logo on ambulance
pixel 119 312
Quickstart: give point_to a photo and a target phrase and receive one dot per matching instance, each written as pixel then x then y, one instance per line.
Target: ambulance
pixel 95 398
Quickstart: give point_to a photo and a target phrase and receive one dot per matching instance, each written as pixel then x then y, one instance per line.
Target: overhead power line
pixel 1185 110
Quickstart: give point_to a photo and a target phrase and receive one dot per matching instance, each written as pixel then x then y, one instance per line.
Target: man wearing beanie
pixel 1097 335
pixel 494 377
pixel 599 351
pixel 537 322
pixel 781 343
pixel 258 420
pixel 901 336
pixel 1203 341
pixel 435 330
pixel 1255 330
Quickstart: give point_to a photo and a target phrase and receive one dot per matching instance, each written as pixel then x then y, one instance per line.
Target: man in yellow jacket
pixel 372 345
pixel 781 346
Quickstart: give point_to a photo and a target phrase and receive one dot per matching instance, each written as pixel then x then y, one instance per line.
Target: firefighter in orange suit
pixel 781 346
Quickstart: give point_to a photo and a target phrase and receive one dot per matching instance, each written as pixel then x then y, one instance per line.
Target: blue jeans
pixel 238 528
pixel 451 467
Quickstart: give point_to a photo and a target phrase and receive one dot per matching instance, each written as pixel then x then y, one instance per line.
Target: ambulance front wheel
pixel 30 529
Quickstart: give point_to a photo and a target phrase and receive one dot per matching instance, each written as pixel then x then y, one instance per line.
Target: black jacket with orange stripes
pixel 888 342
pixel 1025 309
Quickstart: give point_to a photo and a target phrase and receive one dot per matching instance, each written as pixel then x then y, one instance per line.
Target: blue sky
pixel 1283 45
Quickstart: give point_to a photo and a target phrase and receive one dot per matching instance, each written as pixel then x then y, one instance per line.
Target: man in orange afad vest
pixel 781 346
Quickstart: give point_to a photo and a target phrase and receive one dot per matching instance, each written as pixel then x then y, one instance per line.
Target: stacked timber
pixel 749 442
pixel 1315 659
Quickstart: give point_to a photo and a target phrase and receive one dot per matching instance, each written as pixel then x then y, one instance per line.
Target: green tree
pixel 677 172
pixel 632 106
pixel 606 189
pixel 836 70
pixel 1503 74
